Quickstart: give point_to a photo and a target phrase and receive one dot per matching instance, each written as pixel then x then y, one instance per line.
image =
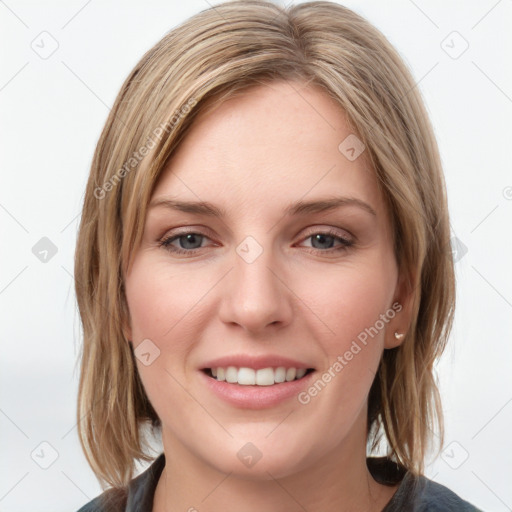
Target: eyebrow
pixel 297 208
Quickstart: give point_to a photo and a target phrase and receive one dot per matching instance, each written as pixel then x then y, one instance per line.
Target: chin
pixel 260 460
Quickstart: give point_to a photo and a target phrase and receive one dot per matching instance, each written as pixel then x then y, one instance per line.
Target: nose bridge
pixel 255 297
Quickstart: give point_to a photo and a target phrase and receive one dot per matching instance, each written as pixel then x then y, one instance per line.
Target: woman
pixel 263 272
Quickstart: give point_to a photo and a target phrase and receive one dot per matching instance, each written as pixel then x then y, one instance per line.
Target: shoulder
pixel 415 493
pixel 112 500
pixel 420 494
pixel 137 496
pixel 435 497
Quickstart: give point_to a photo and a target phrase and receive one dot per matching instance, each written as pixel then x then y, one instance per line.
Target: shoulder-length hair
pixel 220 52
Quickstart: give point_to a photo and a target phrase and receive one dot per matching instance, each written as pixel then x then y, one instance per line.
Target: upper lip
pixel 255 362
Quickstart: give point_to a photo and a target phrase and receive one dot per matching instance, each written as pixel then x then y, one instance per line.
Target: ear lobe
pixel 126 328
pixel 125 319
pixel 127 336
pixel 394 339
pixel 398 328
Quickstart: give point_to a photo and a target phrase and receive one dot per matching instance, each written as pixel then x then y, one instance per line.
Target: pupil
pixel 323 239
pixel 189 239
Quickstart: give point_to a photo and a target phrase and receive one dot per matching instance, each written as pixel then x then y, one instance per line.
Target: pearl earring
pixel 398 335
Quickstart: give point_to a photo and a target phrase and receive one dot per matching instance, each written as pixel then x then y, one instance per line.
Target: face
pixel 263 278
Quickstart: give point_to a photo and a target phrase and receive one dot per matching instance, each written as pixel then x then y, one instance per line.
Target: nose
pixel 256 295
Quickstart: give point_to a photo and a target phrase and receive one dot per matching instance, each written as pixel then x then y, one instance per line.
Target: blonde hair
pixel 217 53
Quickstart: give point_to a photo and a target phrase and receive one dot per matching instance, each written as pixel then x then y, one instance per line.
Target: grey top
pixel 415 494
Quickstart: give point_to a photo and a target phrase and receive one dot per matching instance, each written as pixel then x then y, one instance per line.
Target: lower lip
pixel 256 397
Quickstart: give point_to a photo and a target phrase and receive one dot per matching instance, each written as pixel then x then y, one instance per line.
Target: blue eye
pixel 329 238
pixel 190 242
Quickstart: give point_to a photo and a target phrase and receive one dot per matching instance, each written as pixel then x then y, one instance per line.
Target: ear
pixel 402 304
pixel 127 333
pixel 126 325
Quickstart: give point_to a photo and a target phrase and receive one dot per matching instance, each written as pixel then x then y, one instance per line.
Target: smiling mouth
pixel 250 377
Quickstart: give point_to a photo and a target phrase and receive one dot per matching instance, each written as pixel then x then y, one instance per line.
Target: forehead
pixel 271 146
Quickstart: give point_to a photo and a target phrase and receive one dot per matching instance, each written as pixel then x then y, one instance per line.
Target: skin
pixel 253 156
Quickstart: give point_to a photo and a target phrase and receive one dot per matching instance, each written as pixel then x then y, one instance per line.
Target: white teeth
pixel 262 377
pixel 301 372
pixel 265 377
pixel 246 376
pixel 290 374
pixel 231 374
pixel 280 374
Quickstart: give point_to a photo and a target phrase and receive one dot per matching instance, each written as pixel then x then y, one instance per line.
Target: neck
pixel 339 481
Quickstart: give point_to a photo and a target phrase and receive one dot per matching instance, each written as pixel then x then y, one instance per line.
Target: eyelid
pixel 185 230
pixel 345 242
pixel 331 230
pixel 203 231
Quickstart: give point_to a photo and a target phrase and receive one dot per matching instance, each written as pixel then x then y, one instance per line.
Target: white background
pixel 52 111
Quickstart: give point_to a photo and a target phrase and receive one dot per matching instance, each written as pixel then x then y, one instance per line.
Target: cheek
pixel 160 301
pixel 348 301
pixel 165 308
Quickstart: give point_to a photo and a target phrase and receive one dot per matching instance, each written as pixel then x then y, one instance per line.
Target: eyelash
pixel 166 242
